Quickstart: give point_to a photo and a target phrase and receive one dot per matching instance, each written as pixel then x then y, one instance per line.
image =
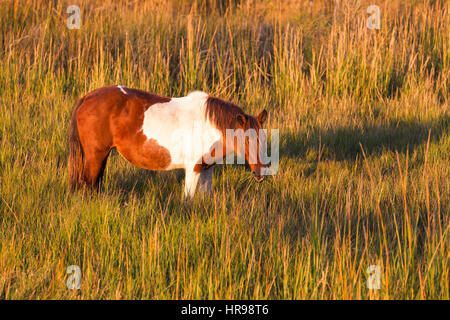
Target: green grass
pixel 364 148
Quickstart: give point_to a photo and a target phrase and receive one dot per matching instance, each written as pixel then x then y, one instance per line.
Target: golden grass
pixel 364 149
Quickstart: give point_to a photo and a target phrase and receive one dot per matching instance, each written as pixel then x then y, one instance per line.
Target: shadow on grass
pixel 343 143
pixel 136 182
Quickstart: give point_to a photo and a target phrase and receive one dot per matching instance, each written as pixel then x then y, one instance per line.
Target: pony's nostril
pixel 258 177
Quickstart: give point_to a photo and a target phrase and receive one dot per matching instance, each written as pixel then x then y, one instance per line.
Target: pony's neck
pixel 222 114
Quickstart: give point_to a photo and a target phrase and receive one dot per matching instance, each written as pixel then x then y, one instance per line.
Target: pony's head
pixel 242 133
pixel 255 141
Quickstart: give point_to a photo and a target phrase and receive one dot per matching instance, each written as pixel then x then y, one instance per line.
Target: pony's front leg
pixel 206 180
pixel 191 181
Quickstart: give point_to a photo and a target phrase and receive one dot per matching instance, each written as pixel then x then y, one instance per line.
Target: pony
pixel 158 133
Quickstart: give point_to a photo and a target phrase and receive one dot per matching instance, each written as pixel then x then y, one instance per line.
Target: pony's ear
pixel 240 119
pixel 262 117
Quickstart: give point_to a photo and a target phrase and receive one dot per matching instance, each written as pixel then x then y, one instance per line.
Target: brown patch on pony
pixel 202 166
pixel 106 118
pixel 199 167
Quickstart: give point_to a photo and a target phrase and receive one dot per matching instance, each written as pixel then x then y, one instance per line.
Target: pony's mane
pixel 223 114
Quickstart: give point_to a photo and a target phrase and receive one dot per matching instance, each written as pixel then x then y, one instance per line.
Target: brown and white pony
pixel 142 126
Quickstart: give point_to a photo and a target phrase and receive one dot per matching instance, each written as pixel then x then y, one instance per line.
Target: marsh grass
pixel 364 149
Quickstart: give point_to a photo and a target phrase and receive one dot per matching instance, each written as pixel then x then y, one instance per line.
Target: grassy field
pixel 364 120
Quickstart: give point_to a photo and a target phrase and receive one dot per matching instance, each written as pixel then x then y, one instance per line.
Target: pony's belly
pixel 148 155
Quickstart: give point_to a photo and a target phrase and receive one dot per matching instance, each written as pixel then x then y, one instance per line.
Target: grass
pixel 364 148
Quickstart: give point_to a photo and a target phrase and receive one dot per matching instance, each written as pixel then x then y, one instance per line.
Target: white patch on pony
pixel 180 126
pixel 122 89
pixel 197 95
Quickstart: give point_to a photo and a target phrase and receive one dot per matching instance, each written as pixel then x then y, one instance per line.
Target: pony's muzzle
pixel 258 177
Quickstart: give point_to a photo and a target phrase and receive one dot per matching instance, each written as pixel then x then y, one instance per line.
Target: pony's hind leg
pixel 96 143
pixel 94 167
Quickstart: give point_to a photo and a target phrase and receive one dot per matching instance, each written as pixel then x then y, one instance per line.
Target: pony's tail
pixel 76 153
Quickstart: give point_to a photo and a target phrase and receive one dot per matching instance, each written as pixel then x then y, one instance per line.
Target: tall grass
pixel 364 132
